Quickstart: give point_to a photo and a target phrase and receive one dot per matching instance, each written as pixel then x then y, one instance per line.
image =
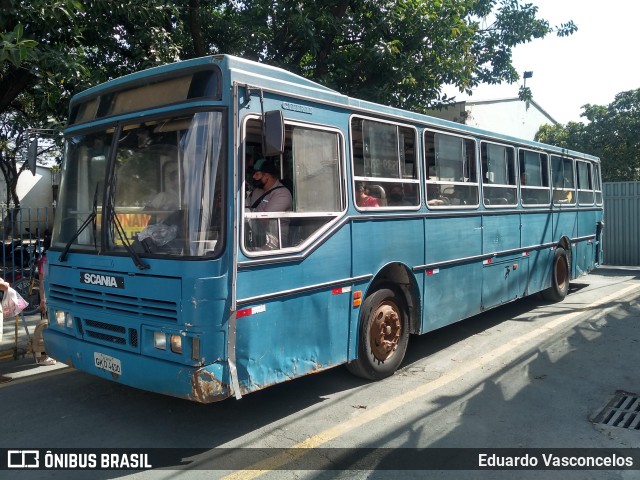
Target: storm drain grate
pixel 623 411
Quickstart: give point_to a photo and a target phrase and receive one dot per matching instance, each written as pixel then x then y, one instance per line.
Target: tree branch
pixel 195 27
pixel 12 84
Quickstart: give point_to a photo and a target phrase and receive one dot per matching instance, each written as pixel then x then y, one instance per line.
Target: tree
pixel 613 134
pixel 397 52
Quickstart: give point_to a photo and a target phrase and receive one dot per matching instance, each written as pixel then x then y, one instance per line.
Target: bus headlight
pixel 160 340
pixel 176 343
pixel 63 319
pixel 60 317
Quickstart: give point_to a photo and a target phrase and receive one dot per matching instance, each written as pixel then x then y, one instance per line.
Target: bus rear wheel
pixel 559 277
pixel 383 335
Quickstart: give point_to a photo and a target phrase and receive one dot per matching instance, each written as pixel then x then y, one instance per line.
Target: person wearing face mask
pixel 270 195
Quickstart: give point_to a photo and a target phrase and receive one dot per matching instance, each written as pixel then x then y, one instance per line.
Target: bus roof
pixel 256 74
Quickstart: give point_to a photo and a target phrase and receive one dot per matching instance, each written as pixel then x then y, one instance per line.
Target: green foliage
pixel 15 48
pixel 613 134
pixel 397 52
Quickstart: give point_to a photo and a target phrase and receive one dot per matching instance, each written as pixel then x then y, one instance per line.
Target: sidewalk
pixel 25 364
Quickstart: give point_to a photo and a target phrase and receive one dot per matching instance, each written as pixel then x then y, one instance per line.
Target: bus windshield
pixel 154 187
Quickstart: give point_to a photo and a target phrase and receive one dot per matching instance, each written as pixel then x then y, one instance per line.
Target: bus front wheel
pixel 559 277
pixel 383 335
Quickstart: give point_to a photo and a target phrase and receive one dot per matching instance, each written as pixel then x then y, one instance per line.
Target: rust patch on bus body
pixel 206 388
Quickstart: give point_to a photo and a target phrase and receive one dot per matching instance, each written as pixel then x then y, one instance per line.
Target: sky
pixel 589 67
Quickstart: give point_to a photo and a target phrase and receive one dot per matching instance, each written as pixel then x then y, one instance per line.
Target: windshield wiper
pixel 91 218
pixel 125 241
pixel 120 231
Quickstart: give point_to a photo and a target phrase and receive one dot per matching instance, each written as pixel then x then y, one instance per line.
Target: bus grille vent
pixel 106 337
pixel 105 326
pixel 118 304
pixel 78 322
pixel 622 411
pixel 133 337
pixel 109 334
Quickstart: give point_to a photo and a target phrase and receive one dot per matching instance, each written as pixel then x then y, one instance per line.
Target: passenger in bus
pixel 434 198
pixel 270 195
pixel 364 199
pixel 396 197
pixel 253 188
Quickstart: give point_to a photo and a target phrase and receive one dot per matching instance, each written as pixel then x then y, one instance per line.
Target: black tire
pixel 559 277
pixel 33 299
pixel 383 334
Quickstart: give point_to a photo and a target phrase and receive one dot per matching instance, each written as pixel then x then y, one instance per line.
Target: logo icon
pixel 23 459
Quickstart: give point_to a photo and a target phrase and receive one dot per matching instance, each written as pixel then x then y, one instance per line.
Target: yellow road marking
pixel 534 337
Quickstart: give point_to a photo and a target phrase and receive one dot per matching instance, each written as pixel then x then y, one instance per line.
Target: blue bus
pixel 164 275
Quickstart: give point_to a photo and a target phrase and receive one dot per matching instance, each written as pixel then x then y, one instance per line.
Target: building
pixel 36 193
pixel 510 116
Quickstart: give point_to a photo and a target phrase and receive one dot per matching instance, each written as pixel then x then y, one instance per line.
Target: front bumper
pixel 204 384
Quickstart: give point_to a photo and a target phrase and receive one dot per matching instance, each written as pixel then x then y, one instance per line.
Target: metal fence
pixel 621 236
pixel 23 232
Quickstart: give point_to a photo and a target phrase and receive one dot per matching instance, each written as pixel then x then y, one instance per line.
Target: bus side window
pixel 563 180
pixel 534 178
pixel 384 159
pixel 452 167
pixel 498 174
pixel 310 169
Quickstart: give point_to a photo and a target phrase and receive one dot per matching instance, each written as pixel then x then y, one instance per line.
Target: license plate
pixel 108 363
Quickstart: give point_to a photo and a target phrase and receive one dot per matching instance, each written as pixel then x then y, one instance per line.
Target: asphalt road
pixel 525 375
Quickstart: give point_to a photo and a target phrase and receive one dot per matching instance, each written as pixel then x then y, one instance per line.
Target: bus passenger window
pixel 534 178
pixel 451 165
pixel 309 174
pixel 498 175
pixel 597 186
pixel 563 181
pixel 585 183
pixel 385 152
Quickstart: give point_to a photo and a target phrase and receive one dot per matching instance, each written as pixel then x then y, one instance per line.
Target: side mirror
pixel 273 133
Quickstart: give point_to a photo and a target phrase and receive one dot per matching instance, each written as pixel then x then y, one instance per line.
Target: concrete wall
pixel 510 116
pixel 36 199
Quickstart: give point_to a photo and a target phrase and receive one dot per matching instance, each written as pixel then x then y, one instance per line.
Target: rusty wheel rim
pixel 561 272
pixel 385 331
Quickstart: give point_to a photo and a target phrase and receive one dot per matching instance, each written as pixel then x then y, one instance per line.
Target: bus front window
pixel 168 186
pixel 82 191
pixel 164 189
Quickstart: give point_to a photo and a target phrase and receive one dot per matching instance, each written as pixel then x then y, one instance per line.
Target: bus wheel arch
pixel 560 273
pixel 400 277
pixel 566 244
pixel 387 316
pixel 383 333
